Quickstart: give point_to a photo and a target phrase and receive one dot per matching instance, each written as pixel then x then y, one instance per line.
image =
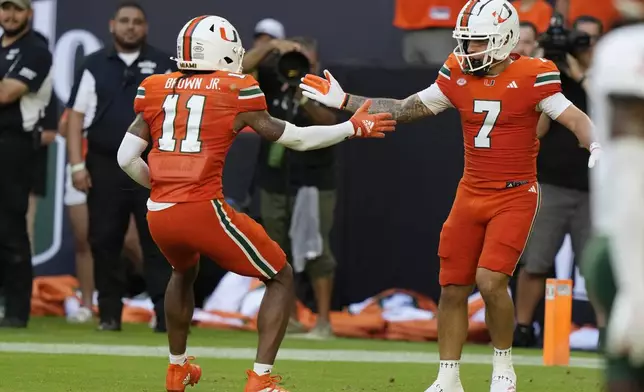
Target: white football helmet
pixel 496 21
pixel 209 43
pixel 631 9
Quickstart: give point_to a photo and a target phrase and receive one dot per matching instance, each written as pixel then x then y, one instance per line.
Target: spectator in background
pixel 428 26
pixel 603 10
pixel 283 172
pixel 76 203
pixel 528 43
pixel 562 169
pixel 268 29
pixel 25 92
pixel 101 103
pixel 269 38
pixel 536 12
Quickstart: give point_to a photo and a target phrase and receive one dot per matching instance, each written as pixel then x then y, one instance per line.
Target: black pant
pixel 111 200
pixel 17 158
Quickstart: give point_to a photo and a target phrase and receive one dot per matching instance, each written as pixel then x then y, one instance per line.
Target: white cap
pixel 270 27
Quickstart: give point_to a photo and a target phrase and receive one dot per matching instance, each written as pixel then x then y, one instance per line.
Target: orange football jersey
pixel 499 116
pixel 191 127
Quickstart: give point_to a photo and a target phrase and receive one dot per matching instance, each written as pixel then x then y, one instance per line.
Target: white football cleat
pixel 80 316
pixel 504 381
pixel 442 387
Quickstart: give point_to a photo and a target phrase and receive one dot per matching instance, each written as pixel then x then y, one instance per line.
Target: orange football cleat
pixel 262 383
pixel 180 376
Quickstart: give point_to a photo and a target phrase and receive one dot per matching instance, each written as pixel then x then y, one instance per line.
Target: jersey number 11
pixel 190 143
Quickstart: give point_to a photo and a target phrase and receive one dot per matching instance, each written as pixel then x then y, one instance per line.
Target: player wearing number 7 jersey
pixel 191 118
pixel 500 98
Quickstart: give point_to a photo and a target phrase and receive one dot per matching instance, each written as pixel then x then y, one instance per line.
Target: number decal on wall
pixel 191 143
pixel 492 109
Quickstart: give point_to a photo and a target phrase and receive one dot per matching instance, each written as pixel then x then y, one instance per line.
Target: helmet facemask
pixel 480 62
pixel 495 22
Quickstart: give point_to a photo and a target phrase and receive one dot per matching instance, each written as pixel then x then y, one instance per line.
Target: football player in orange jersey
pixel 500 98
pixel 191 117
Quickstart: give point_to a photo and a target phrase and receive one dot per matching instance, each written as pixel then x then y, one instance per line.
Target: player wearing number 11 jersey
pixel 500 98
pixel 191 118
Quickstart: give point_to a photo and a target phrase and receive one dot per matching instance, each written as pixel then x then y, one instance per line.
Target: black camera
pixel 292 66
pixel 558 41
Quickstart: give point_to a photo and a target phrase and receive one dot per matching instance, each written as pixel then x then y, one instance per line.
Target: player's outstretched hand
pixel 595 154
pixel 626 328
pixel 325 90
pixel 371 125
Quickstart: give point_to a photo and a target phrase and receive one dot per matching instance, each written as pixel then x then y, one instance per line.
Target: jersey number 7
pixel 195 108
pixel 492 109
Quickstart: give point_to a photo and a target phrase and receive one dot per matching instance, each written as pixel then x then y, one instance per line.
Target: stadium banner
pixel 405 198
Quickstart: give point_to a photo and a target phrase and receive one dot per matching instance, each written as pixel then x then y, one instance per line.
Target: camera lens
pixel 292 66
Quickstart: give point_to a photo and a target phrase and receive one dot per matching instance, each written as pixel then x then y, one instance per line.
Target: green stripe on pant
pixel 246 246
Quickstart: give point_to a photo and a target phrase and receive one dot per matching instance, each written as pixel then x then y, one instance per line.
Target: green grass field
pixel 54 356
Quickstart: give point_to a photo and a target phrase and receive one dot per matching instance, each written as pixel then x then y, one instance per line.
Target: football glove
pixel 595 153
pixel 371 125
pixel 324 90
pixel 625 336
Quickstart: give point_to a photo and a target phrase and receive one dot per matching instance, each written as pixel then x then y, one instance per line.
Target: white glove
pixel 326 91
pixel 625 335
pixel 595 153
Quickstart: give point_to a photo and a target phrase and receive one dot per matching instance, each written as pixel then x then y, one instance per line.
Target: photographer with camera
pixel 562 172
pixel 268 40
pixel 298 188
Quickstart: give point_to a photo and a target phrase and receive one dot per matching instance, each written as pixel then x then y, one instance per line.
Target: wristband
pixel 345 101
pixel 78 167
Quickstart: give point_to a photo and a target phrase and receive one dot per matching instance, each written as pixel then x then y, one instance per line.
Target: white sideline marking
pixel 284 354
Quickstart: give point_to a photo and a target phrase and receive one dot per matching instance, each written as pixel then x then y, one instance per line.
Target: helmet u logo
pixel 224 35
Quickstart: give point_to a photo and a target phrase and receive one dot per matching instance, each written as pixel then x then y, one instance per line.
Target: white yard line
pixel 287 353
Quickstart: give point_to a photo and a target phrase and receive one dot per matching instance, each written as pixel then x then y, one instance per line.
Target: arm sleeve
pixel 434 99
pixel 314 137
pixel 31 67
pixel 250 97
pixel 129 159
pixel 554 105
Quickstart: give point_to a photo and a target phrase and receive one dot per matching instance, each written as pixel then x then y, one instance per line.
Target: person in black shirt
pixel 562 170
pixel 282 172
pixel 47 135
pixel 25 91
pixel 101 104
